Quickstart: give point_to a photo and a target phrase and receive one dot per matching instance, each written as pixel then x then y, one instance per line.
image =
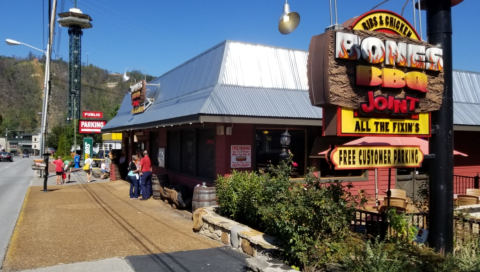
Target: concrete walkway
pixel 72 225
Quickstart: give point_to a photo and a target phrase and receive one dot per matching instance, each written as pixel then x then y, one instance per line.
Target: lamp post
pixel 285 142
pixel 46 90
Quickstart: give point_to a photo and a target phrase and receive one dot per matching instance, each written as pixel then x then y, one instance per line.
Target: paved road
pixel 15 178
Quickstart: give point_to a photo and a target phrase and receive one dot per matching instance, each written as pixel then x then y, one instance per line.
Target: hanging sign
pixel 92 114
pixel 372 157
pixel 91 126
pixel 138 94
pixel 384 74
pixel 241 156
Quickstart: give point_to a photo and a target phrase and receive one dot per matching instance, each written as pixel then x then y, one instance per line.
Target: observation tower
pixel 75 20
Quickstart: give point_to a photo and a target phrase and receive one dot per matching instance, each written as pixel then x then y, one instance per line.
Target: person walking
pixel 87 167
pixel 67 170
pixel 59 170
pixel 133 178
pixel 146 176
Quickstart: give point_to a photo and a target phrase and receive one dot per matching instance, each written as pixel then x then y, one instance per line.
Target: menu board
pixel 241 156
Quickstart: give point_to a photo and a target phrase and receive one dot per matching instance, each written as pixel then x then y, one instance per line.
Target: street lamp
pixel 288 21
pixel 46 89
pixel 285 142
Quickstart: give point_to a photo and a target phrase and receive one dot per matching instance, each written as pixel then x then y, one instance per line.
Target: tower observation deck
pixel 75 20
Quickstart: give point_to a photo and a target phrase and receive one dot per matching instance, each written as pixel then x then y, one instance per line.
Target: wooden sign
pixel 372 157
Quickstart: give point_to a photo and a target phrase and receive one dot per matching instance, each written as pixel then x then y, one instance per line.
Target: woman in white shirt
pixel 89 170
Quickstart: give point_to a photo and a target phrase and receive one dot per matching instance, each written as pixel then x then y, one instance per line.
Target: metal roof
pixel 264 102
pixel 466 98
pixel 254 65
pixel 466 86
pixel 242 79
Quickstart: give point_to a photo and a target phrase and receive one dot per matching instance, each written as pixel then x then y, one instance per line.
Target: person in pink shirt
pixel 59 170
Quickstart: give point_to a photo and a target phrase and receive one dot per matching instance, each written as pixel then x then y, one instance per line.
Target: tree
pixel 54 136
pixel 62 149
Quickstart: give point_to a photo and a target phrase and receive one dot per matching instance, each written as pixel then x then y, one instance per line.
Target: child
pixel 103 168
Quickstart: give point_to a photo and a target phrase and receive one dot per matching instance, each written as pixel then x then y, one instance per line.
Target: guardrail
pixel 375 224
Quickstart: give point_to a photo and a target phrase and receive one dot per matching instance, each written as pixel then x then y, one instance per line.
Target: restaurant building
pixel 226 109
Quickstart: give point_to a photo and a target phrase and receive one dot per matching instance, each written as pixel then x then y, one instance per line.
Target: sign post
pixel 439 30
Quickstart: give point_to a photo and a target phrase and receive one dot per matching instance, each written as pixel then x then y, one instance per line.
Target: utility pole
pixel 74 128
pixel 439 33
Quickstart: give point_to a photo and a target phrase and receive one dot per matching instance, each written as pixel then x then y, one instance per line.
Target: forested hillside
pixel 21 92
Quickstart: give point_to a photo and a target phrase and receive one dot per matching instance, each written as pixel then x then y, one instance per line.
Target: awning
pixel 393 141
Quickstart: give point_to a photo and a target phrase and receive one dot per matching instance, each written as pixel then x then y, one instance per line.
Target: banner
pixel 87 147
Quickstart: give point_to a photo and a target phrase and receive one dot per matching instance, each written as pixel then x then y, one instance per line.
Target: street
pixel 14 182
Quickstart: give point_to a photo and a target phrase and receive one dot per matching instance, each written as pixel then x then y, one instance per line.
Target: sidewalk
pixel 83 222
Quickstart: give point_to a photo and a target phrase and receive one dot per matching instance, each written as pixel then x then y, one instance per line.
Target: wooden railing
pixel 375 224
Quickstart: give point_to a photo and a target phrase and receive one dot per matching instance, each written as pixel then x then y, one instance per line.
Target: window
pixel 192 151
pixel 206 153
pixel 188 151
pixel 173 150
pixel 268 148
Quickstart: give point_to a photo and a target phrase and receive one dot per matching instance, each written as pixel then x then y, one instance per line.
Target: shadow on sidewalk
pixel 213 260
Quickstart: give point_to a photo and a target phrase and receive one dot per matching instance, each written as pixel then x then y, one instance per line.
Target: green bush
pixel 310 220
pixel 239 195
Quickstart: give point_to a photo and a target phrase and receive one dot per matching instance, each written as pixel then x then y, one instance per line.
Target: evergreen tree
pixel 62 147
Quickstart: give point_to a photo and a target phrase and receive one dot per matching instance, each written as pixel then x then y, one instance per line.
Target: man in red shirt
pixel 58 169
pixel 146 176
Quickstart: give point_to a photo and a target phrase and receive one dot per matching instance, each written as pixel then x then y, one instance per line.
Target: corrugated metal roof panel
pixel 194 75
pixel 251 101
pixel 466 86
pixel 466 114
pixel 253 65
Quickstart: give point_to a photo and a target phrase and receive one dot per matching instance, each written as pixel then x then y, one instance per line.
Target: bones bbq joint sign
pixel 358 75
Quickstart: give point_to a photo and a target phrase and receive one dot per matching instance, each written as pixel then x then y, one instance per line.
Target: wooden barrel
pixel 156 187
pixel 203 197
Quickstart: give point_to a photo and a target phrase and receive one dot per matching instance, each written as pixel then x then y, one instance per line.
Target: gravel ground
pixel 87 222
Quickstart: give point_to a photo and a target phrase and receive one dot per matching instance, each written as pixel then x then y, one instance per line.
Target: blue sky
pixel 158 35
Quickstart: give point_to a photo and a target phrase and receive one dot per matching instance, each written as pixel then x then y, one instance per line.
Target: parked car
pixel 25 155
pixel 6 156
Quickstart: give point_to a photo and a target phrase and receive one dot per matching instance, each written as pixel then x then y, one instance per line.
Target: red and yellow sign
pixel 351 123
pixel 385 21
pixel 138 96
pixel 371 157
pixel 370 82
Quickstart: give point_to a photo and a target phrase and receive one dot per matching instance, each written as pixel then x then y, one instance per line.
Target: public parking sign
pixel 90 126
pixel 92 114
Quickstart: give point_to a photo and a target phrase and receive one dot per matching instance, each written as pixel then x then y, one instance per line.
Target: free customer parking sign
pixel 90 126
